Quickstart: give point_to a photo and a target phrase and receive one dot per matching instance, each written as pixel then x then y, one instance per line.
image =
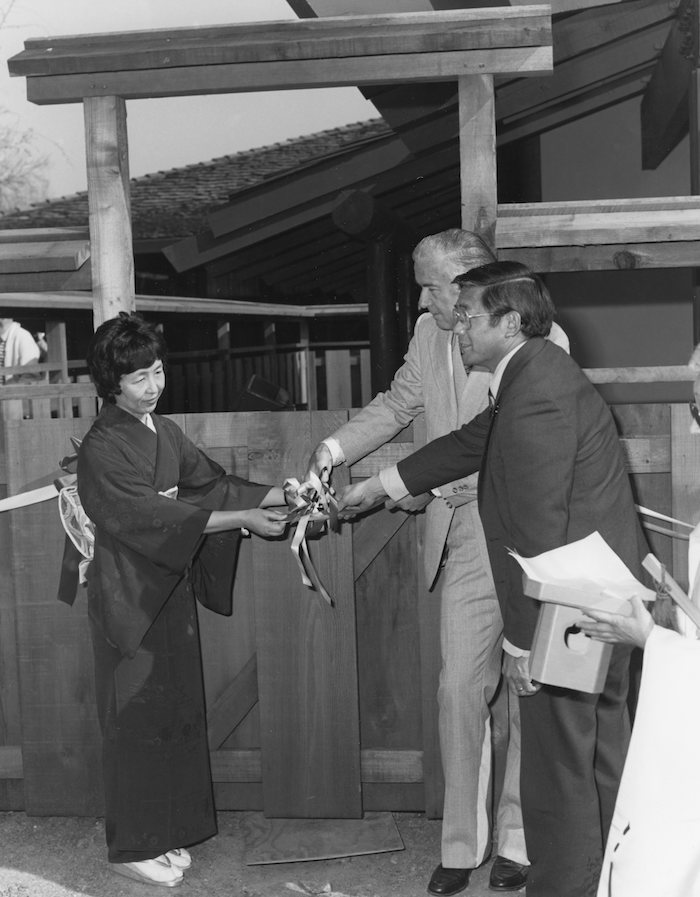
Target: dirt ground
pixel 65 857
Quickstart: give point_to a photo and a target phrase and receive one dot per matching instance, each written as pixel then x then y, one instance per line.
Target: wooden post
pixel 307 369
pixel 358 214
pixel 383 343
pixel 477 153
pixel 111 249
pixel 57 353
pixel 406 299
pixel 694 132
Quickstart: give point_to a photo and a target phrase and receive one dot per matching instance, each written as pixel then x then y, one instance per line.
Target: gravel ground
pixel 65 857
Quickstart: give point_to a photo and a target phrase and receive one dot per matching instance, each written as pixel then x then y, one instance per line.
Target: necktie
pixel 492 402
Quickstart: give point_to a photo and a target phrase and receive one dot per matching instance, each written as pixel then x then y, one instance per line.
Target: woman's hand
pixel 612 628
pixel 266 522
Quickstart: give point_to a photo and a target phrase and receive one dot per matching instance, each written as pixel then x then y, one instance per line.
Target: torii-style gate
pixel 103 72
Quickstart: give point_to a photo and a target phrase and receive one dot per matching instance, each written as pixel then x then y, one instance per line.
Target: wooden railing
pixel 323 376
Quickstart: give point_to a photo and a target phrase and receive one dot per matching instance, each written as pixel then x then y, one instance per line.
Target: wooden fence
pixel 313 710
pixel 313 377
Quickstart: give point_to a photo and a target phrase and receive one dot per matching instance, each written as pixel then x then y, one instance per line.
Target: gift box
pixel 561 580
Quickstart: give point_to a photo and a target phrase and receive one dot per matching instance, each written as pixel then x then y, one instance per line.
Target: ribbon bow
pixel 311 505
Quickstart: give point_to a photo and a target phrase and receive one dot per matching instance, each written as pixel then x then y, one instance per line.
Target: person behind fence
pixel 551 472
pixel 167 522
pixel 17 348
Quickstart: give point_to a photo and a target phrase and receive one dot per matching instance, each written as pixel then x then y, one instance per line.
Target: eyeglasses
pixel 462 316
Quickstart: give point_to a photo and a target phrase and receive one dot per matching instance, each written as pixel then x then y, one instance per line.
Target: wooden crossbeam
pixel 294 75
pixel 43 234
pixel 665 109
pixel 35 257
pixel 308 183
pixel 598 222
pixel 47 281
pixel 193 251
pixel 188 305
pixel 335 38
pixel 233 705
pixel 579 75
pixel 291 55
pixel 609 257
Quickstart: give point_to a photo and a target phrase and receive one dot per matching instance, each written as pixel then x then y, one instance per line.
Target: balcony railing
pixel 312 377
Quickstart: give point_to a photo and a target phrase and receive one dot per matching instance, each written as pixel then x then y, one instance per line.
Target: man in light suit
pixel 551 472
pixel 433 379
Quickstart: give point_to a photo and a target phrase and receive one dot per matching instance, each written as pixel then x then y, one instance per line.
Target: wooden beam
pixel 233 705
pixel 664 110
pixel 47 281
pixel 109 207
pixel 343 37
pixel 598 222
pixel 612 92
pixel 694 140
pixel 581 75
pixel 477 153
pixel 296 75
pixel 43 234
pixel 35 257
pixel 313 182
pixel 435 105
pixel 609 257
pixel 308 8
pixel 188 305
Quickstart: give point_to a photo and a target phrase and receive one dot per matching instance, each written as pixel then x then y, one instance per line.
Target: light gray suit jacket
pixel 432 379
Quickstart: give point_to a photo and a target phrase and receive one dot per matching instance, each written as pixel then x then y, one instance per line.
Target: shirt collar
pixel 500 368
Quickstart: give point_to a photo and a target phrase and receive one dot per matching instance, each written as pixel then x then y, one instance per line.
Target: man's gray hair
pixel 463 247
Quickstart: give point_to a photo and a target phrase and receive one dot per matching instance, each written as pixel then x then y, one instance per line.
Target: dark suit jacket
pixel 552 472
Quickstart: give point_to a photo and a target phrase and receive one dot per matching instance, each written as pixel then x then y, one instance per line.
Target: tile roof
pixel 174 203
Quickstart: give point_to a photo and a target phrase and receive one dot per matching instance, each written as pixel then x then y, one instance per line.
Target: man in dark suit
pixel 551 472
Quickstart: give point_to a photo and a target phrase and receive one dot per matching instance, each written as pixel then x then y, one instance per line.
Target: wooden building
pixel 318 711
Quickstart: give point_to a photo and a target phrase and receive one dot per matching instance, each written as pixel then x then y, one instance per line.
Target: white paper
pixel 685 624
pixel 588 566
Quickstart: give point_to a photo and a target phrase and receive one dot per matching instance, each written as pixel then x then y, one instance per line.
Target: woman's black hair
pixel 120 346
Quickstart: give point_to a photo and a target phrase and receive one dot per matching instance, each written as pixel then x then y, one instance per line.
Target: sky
pixel 163 133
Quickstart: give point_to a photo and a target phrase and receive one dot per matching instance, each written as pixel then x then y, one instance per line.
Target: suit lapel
pixel 516 364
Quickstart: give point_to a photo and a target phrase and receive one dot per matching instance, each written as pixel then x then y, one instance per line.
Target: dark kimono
pixel 150 496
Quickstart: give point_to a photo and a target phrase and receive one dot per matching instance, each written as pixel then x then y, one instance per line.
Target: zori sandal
pixel 159 872
pixel 179 857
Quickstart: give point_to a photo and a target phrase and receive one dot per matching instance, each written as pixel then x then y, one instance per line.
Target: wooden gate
pixel 313 710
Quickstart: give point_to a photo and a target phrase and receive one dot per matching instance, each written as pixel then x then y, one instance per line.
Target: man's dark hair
pixel 120 346
pixel 511 286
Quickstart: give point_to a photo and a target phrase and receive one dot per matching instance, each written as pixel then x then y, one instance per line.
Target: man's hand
pixel 320 463
pixel 613 628
pixel 361 497
pixel 516 672
pixel 411 503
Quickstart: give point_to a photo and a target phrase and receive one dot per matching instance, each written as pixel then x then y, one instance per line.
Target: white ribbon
pixel 312 503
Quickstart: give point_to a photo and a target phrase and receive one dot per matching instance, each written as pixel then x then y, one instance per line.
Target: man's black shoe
pixel 507 875
pixel 448 881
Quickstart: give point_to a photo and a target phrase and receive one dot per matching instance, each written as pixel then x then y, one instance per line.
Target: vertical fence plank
pixel 338 380
pixel 307 654
pixel 61 741
pixel 685 483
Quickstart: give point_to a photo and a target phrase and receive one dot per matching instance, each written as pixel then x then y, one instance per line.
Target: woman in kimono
pixel 167 523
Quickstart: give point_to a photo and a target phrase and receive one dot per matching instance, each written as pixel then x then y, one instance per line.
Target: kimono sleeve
pixel 118 493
